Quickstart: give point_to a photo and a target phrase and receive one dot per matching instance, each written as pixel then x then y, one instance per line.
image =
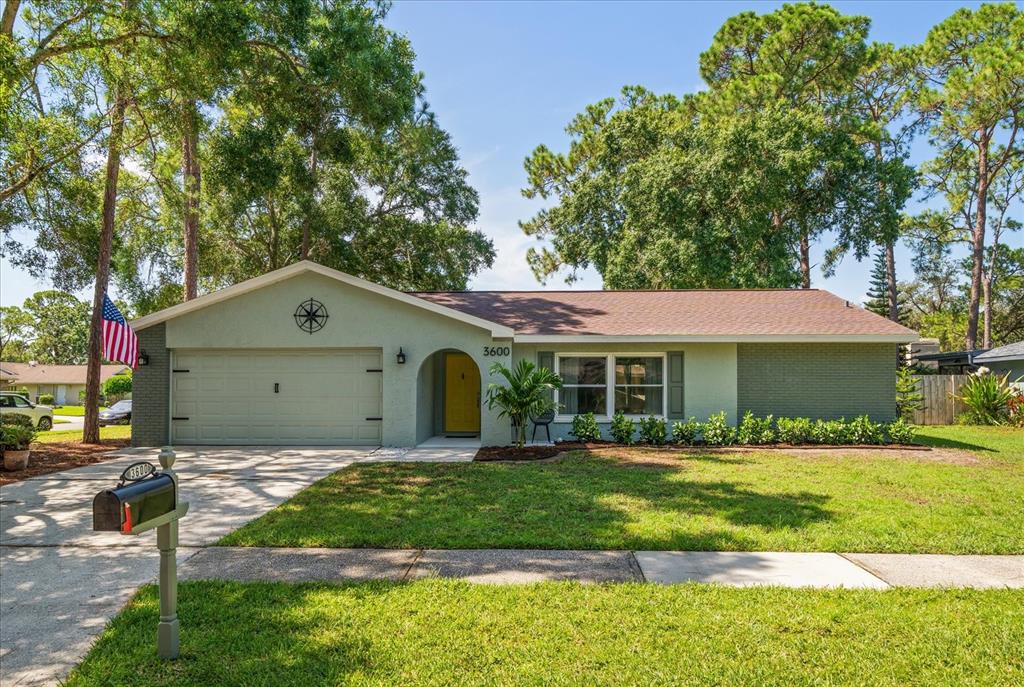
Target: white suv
pixel 11 402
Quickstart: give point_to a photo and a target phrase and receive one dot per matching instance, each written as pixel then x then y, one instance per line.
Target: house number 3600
pixel 492 351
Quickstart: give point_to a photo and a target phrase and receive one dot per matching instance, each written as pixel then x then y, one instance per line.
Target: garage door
pixel 301 397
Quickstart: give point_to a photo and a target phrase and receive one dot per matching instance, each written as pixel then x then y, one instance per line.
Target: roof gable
pixel 306 266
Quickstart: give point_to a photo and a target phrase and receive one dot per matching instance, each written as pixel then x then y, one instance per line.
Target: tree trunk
pixel 8 18
pixel 890 277
pixel 306 230
pixel 805 260
pixel 986 290
pixel 91 431
pixel 192 184
pixel 978 242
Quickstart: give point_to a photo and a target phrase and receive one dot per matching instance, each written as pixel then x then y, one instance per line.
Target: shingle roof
pixel 57 374
pixel 1014 351
pixel 749 312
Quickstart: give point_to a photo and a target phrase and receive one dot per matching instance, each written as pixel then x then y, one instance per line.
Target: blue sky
pixel 504 77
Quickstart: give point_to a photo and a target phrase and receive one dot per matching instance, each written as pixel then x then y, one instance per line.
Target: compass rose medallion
pixel 311 316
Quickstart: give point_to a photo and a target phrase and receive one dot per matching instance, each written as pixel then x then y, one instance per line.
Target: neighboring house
pixel 307 355
pixel 950 363
pixel 7 377
pixel 62 381
pixel 1007 359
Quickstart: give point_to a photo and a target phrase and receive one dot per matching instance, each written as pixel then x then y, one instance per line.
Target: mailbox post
pixel 144 500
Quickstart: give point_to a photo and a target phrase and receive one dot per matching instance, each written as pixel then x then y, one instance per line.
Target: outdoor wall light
pixel 400 356
pixel 143 358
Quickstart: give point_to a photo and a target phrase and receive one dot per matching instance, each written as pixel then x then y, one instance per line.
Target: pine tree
pixel 878 301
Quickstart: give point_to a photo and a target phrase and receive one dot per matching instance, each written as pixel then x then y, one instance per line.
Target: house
pixel 308 355
pixel 1004 360
pixel 63 382
pixel 949 363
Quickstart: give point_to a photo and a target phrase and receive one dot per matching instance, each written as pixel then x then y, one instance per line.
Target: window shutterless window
pixel 607 384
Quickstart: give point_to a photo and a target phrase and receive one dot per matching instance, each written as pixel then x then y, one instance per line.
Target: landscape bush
pixel 585 428
pixel 900 432
pixel 717 431
pixel 755 430
pixel 46 399
pixel 17 431
pixel 685 433
pixel 829 432
pixel 796 430
pixel 622 429
pixel 862 430
pixel 652 430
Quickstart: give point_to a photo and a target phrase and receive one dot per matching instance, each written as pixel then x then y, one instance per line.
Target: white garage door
pixel 278 397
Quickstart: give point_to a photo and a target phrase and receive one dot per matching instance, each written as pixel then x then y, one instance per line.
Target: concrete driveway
pixel 61 582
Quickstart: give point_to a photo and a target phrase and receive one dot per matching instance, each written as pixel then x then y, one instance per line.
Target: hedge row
pixel 752 430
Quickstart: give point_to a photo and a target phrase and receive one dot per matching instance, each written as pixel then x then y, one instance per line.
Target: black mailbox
pixel 129 505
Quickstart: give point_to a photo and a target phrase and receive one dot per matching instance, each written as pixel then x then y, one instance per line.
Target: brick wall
pixel 150 391
pixel 827 380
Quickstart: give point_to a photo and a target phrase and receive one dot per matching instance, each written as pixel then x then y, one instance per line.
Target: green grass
pixel 110 432
pixel 1006 443
pixel 767 501
pixel 72 411
pixel 453 633
pixel 59 421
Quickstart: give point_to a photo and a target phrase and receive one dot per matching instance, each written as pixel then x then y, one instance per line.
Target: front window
pixel 609 384
pixel 584 385
pixel 20 402
pixel 639 385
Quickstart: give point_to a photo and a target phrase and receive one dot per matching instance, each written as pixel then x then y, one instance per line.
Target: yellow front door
pixel 461 394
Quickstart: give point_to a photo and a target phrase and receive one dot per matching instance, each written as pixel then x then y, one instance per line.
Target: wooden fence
pixel 940 408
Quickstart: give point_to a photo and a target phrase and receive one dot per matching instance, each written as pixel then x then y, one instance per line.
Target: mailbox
pixel 142 496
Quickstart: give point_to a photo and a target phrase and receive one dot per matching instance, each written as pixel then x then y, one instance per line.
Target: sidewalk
pixel 516 566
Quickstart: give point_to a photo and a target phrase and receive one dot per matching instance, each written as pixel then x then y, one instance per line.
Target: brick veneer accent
pixel 827 380
pixel 150 389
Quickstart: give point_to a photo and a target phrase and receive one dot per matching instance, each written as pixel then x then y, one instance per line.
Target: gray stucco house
pixel 1005 360
pixel 307 355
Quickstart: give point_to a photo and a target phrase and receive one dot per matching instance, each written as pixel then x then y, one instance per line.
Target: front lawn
pixel 439 632
pixel 636 499
pixel 62 435
pixel 72 411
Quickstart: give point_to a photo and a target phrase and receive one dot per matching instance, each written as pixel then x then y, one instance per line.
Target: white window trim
pixel 609 382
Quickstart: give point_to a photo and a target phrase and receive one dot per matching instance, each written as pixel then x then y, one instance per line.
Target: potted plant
pixel 16 435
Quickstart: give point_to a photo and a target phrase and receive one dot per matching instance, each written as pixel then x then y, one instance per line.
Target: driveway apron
pixel 60 583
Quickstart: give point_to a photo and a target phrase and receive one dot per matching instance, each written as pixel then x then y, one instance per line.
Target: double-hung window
pixel 609 384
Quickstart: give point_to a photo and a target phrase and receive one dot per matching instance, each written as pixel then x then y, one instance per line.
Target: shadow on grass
pixel 942 442
pixel 578 503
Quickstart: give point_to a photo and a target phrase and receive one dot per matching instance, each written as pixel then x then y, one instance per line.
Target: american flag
pixel 120 344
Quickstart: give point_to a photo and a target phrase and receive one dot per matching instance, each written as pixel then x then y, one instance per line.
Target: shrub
pixel 1016 407
pixel 862 430
pixel 900 432
pixel 987 397
pixel 16 431
pixel 717 432
pixel 831 432
pixel 585 428
pixel 46 399
pixel 117 387
pixel 622 429
pixel 685 432
pixel 755 430
pixel 795 430
pixel 652 430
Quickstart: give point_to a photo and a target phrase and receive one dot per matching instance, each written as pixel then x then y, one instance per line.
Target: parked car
pixel 11 402
pixel 118 414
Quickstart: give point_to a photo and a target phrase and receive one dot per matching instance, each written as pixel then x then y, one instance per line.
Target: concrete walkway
pixel 506 566
pixel 60 582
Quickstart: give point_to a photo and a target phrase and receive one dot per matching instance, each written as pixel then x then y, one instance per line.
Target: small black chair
pixel 543 420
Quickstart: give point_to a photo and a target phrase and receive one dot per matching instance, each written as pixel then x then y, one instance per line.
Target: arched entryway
pixel 449 394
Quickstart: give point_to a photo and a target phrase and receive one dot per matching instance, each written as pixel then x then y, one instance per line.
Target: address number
pixel 492 351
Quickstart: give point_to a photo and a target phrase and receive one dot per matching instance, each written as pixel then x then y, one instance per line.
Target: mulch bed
pixel 47 458
pixel 529 453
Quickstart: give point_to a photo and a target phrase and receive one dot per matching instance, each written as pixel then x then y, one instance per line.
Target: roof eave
pixel 715 338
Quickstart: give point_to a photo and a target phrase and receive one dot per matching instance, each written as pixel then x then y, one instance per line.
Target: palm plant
pixel 987 397
pixel 526 394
